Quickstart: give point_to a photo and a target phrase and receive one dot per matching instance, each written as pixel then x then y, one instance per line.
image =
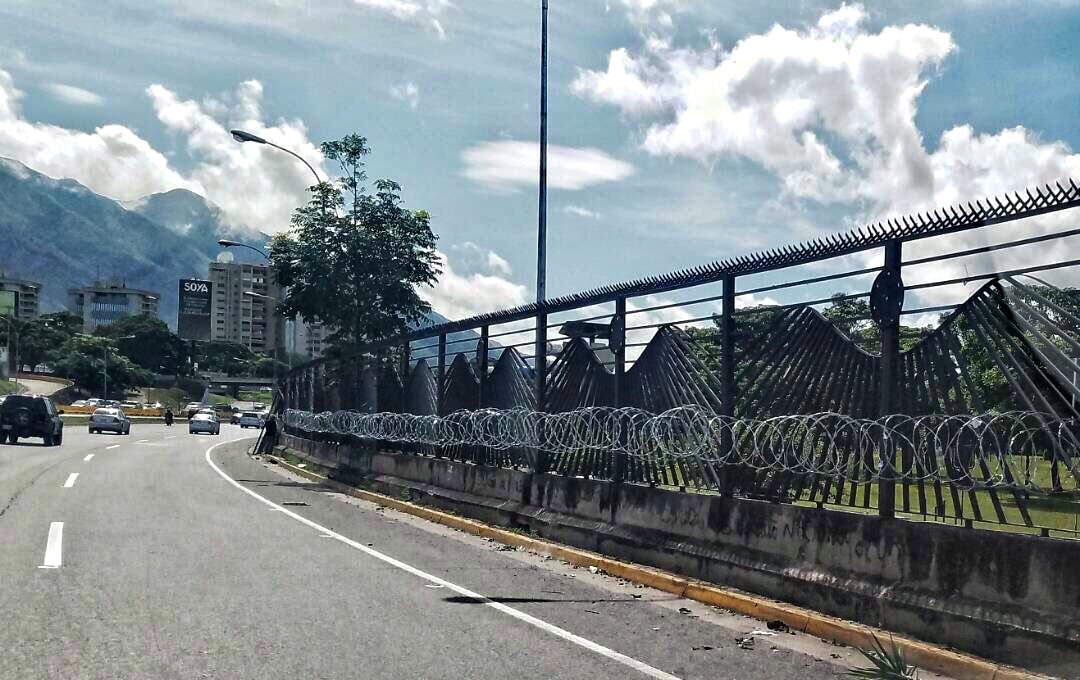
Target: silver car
pixel 204 422
pixel 251 419
pixel 110 419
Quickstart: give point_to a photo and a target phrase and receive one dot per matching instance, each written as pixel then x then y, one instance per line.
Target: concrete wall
pixel 1004 596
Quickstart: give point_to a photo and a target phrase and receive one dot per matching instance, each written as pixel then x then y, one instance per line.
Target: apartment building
pixel 240 318
pixel 19 298
pixel 310 338
pixel 104 302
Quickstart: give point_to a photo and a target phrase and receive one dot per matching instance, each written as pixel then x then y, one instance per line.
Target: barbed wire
pixel 1023 450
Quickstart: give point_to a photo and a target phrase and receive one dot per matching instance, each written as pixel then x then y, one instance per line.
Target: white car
pixel 204 422
pixel 251 419
pixel 80 402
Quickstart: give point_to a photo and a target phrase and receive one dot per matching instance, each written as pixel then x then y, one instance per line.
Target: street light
pixel 105 369
pixel 242 136
pixel 226 243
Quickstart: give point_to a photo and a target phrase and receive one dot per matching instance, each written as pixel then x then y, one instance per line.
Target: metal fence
pixel 807 374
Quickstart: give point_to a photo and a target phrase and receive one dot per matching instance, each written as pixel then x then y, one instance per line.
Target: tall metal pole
pixel 105 373
pixel 541 230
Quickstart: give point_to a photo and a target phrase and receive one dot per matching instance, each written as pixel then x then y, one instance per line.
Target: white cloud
pixel 74 95
pixel 233 173
pixel 830 110
pixel 407 92
pixel 652 13
pixel 581 212
pixel 116 162
pixel 781 97
pixel 461 295
pixel 509 165
pixel 475 258
pixel 424 13
pixel 112 160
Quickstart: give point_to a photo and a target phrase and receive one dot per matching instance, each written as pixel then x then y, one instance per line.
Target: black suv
pixel 30 416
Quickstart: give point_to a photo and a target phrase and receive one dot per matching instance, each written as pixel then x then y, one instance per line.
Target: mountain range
pixel 63 235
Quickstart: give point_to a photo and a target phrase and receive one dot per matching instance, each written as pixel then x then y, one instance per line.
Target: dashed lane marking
pixel 54 546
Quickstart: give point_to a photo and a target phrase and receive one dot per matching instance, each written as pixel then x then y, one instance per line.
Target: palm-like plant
pixel 887 664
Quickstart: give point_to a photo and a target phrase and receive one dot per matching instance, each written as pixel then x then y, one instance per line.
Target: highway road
pixel 168 555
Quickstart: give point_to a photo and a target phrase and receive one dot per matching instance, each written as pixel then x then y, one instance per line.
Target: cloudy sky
pixel 681 131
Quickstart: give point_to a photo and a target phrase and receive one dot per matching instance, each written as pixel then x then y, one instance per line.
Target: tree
pixel 154 347
pixel 223 357
pixel 82 359
pixel 41 337
pixel 353 259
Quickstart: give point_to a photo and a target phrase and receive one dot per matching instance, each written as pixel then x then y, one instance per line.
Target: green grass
pixel 9 387
pixel 261 397
pixel 220 399
pixel 1059 514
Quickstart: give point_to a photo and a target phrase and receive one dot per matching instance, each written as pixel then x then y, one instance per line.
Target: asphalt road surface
pixel 148 556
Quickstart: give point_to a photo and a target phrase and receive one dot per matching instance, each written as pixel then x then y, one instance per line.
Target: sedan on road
pixel 111 419
pixel 251 419
pixel 204 422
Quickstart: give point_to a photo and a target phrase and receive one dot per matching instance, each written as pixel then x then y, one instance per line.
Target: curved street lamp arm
pixel 318 180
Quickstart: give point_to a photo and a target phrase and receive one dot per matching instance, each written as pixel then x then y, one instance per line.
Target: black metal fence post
pixel 727 376
pixel 440 379
pixel 404 370
pixel 888 316
pixel 617 343
pixel 482 365
pixel 540 382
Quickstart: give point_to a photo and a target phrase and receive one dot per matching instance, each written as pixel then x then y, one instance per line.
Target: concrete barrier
pixel 1009 597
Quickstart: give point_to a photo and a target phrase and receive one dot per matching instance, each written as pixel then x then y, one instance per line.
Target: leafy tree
pixel 353 259
pixel 82 359
pixel 41 337
pixel 223 357
pixel 154 347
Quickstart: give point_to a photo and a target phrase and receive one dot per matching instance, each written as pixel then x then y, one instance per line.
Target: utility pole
pixel 541 230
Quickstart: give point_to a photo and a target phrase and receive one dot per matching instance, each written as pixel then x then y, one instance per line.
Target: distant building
pixel 309 340
pixel 239 318
pixel 19 298
pixel 106 301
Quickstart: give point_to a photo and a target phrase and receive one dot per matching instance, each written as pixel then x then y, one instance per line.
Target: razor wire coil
pixel 1000 450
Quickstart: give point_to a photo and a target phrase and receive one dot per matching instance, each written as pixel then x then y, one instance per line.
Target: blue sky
pixel 660 108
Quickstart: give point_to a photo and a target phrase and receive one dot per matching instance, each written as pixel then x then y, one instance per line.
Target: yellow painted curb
pixel 922 654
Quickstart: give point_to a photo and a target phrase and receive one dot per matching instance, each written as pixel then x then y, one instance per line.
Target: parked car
pixel 110 419
pixel 23 415
pixel 191 409
pixel 204 421
pixel 251 419
pixel 79 402
pixel 128 404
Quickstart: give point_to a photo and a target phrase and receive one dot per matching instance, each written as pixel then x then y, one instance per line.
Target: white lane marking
pixel 510 611
pixel 71 480
pixel 114 446
pixel 88 458
pixel 171 436
pixel 54 547
pixel 142 441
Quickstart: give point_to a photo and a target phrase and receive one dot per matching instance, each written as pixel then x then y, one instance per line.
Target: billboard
pixel 193 313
